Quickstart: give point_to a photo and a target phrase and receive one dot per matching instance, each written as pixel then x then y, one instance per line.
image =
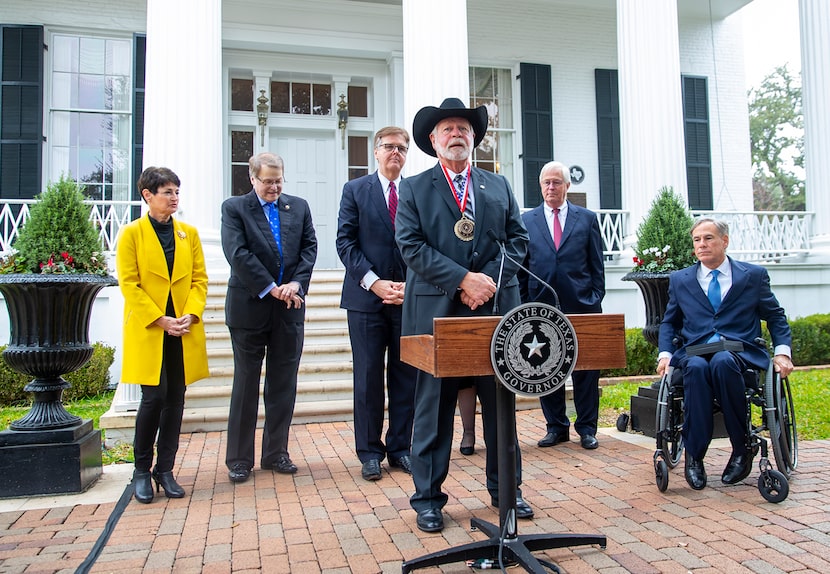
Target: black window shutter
pixel 139 53
pixel 21 111
pixel 608 138
pixel 698 150
pixel 537 126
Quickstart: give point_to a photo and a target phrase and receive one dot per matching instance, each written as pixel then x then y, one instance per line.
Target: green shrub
pixel 90 380
pixel 640 356
pixel 811 339
pixel 664 242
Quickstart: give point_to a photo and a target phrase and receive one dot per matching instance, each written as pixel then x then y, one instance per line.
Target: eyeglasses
pixel 389 148
pixel 270 182
pixel 553 183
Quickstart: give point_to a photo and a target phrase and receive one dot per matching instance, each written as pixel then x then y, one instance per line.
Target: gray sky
pixel 771 38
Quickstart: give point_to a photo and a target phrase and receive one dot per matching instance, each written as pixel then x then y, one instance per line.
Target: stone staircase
pixel 324 387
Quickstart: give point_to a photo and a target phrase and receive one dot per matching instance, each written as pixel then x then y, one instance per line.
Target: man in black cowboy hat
pixel 446 220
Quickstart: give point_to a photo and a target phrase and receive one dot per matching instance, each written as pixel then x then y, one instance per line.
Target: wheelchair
pixel 766 390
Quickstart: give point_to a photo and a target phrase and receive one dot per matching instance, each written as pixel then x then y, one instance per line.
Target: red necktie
pixel 393 202
pixel 557 229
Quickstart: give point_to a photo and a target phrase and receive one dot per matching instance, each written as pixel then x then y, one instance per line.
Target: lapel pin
pixel 181 234
pixel 287 207
pixel 481 186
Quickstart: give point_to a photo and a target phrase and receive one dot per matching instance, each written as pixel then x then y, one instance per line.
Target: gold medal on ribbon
pixel 464 228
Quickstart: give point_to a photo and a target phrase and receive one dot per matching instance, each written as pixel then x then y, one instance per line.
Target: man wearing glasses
pixel 269 240
pixel 373 291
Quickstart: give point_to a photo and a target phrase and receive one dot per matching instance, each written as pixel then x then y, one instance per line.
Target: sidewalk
pixel 327 519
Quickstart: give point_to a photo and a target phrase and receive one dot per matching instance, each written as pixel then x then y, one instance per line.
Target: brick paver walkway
pixel 327 519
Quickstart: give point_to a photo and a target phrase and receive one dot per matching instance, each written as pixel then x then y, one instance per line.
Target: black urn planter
pixel 49 450
pixel 655 290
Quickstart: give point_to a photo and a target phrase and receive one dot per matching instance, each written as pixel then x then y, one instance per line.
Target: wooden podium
pixel 459 347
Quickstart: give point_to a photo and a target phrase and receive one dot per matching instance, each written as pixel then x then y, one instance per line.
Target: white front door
pixel 310 173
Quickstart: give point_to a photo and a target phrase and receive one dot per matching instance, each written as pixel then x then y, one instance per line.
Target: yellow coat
pixel 145 284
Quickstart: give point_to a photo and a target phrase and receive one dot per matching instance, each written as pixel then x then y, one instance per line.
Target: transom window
pixel 90 113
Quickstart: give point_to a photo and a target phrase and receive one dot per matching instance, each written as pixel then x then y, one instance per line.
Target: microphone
pixel 500 242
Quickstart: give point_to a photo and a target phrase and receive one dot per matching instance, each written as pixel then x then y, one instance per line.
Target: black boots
pixel 172 489
pixel 142 486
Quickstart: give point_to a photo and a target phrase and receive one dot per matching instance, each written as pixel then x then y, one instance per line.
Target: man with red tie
pixel 373 292
pixel 565 250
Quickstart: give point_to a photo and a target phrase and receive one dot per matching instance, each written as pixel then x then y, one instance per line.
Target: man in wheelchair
pixel 719 300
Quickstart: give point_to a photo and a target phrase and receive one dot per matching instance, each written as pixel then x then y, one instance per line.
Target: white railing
pixel 108 216
pixel 765 235
pixel 753 235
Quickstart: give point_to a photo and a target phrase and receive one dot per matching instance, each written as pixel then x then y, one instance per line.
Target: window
pixel 358 156
pixel 493 88
pixel 90 114
pixel 301 98
pixel 242 95
pixel 242 148
pixel 698 150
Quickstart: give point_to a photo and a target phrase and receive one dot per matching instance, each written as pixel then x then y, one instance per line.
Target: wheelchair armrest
pixel 712 348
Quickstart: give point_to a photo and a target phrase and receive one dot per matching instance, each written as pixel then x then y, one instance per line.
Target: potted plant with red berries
pixel 49 283
pixel 664 244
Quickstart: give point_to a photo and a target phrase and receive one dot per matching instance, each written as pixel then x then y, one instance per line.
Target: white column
pixel 651 110
pixel 435 59
pixel 183 120
pixel 814 16
pixel 183 108
pixel 394 63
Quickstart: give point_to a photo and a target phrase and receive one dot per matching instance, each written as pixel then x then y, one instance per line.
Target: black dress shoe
pixel 467 450
pixel 371 470
pixel 431 520
pixel 404 463
pixel 239 472
pixel 283 465
pixel 695 473
pixel 588 441
pixel 523 509
pixel 142 486
pixel 738 468
pixel 165 480
pixel 553 439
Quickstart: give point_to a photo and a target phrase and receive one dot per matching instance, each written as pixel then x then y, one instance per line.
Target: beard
pixel 454 153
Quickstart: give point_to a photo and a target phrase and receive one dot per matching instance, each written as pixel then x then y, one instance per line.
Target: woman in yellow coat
pixel 161 272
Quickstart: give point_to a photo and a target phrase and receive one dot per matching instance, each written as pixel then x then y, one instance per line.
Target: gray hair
pixel 566 173
pixel 721 226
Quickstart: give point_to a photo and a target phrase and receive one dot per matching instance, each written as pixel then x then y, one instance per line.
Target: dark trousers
pixel 586 402
pixel 432 434
pixel 375 336
pixel 281 346
pixel 160 412
pixel 721 378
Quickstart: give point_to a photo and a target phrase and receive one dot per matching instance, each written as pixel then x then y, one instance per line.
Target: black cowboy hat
pixel 427 117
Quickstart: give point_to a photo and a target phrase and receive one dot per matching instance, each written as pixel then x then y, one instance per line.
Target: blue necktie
pixel 714 290
pixel 274 221
pixel 714 298
pixel 459 187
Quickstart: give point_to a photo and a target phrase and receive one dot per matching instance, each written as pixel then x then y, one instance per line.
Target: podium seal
pixel 534 349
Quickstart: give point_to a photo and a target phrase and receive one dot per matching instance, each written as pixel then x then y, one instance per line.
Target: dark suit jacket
pixel 250 249
pixel 366 240
pixel 750 300
pixel 437 260
pixel 576 271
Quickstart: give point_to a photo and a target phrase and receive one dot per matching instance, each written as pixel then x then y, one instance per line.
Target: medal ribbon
pixel 461 204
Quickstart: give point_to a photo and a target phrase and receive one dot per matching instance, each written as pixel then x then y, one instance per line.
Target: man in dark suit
pixel 716 299
pixel 373 292
pixel 268 239
pixel 565 251
pixel 443 220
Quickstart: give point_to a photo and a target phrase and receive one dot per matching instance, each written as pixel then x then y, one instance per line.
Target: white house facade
pixel 634 95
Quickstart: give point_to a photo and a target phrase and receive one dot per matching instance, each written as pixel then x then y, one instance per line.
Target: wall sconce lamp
pixel 342 119
pixel 262 115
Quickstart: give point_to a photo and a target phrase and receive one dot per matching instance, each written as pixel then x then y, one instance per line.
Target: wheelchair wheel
pixel 661 474
pixel 780 415
pixel 669 422
pixel 773 486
